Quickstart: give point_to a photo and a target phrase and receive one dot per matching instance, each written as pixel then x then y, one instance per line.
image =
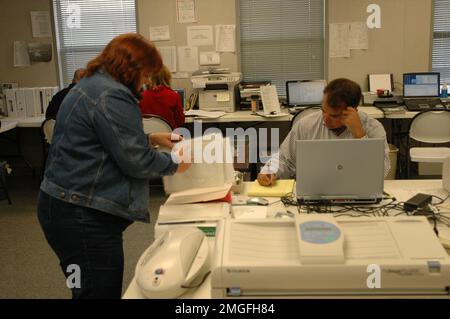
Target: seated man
pixel 339 119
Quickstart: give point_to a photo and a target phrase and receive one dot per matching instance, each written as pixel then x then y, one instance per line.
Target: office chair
pixel 303 113
pixel 431 127
pixel 3 187
pixel 156 124
pixel 46 131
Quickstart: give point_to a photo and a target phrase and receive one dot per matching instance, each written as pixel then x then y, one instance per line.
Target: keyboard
pixel 422 104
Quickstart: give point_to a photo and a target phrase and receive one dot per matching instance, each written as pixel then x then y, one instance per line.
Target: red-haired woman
pixel 96 179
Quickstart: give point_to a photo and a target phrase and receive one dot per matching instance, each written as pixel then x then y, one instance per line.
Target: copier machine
pixel 216 91
pixel 318 255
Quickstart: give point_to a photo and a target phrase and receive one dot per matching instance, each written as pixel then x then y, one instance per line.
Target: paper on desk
pixel 205 114
pixel 193 212
pixel 249 212
pixel 281 188
pixel 269 97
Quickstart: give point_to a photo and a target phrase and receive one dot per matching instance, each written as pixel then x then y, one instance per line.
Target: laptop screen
pixel 421 84
pixel 347 170
pixel 305 92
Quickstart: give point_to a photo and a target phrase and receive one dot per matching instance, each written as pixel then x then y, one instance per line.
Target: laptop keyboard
pixel 422 104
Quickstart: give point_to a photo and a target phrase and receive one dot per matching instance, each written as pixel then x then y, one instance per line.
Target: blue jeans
pixel 89 239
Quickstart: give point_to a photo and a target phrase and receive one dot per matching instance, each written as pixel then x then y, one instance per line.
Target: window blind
pixel 441 39
pixel 84 27
pixel 282 40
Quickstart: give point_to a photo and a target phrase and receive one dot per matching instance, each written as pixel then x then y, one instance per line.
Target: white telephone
pixel 176 261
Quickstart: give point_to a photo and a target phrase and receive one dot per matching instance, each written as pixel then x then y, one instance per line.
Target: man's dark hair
pixel 341 92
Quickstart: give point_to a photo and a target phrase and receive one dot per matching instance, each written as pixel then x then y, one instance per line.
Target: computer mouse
pixel 176 260
pixel 257 201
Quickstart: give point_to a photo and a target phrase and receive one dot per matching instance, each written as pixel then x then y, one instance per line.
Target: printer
pixel 216 91
pixel 319 255
pixel 372 99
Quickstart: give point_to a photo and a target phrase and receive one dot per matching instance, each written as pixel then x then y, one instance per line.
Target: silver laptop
pixel 331 172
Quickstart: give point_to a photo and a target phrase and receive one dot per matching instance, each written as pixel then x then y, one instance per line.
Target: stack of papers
pixel 200 195
pixel 282 187
pixel 204 114
pixel 192 213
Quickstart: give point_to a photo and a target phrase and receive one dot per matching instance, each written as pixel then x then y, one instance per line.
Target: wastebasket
pixel 393 151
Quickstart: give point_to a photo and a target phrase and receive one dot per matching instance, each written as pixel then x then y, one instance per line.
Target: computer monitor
pixel 424 84
pixel 182 94
pixel 305 93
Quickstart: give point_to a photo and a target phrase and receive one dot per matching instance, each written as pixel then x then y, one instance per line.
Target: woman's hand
pixel 163 139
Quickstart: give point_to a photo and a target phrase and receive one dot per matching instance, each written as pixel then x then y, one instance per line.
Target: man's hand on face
pixel 351 120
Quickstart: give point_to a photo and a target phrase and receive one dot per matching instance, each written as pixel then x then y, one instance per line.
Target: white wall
pixel 15 25
pixel 403 44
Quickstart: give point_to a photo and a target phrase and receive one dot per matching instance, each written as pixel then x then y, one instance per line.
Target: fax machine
pixel 320 255
pixel 217 91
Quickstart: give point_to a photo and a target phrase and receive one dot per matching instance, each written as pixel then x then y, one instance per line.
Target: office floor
pixel 28 267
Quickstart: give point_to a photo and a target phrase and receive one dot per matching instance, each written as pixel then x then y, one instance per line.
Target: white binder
pixel 30 101
pixel 41 104
pixel 20 103
pixel 11 107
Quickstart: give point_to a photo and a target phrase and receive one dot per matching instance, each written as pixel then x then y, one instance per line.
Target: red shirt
pixel 164 102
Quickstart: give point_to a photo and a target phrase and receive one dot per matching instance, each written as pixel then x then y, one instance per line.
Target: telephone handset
pixel 176 261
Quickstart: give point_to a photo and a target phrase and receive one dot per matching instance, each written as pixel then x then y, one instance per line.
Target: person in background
pixel 55 103
pixel 96 179
pixel 339 119
pixel 161 100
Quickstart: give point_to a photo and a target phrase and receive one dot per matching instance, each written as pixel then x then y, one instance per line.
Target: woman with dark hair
pixel 96 180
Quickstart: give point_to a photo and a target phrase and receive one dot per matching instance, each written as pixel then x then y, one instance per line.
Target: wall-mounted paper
pixel 359 38
pixel 225 38
pixel 186 11
pixel 21 57
pixel 169 57
pixel 209 58
pixel 40 24
pixel 40 52
pixel 339 40
pixel 200 35
pixel 160 33
pixel 188 59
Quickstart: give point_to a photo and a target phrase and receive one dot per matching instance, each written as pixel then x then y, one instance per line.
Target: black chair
pixel 3 188
pixel 307 111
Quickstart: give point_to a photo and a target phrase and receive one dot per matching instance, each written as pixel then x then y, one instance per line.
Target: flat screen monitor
pixel 421 84
pixel 305 93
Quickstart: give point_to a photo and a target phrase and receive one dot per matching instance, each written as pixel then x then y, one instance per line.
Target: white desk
pixel 10 123
pixel 7 124
pixel 398 188
pixel 247 116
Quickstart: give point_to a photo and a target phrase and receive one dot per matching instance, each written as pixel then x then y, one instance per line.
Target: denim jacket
pixel 100 156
